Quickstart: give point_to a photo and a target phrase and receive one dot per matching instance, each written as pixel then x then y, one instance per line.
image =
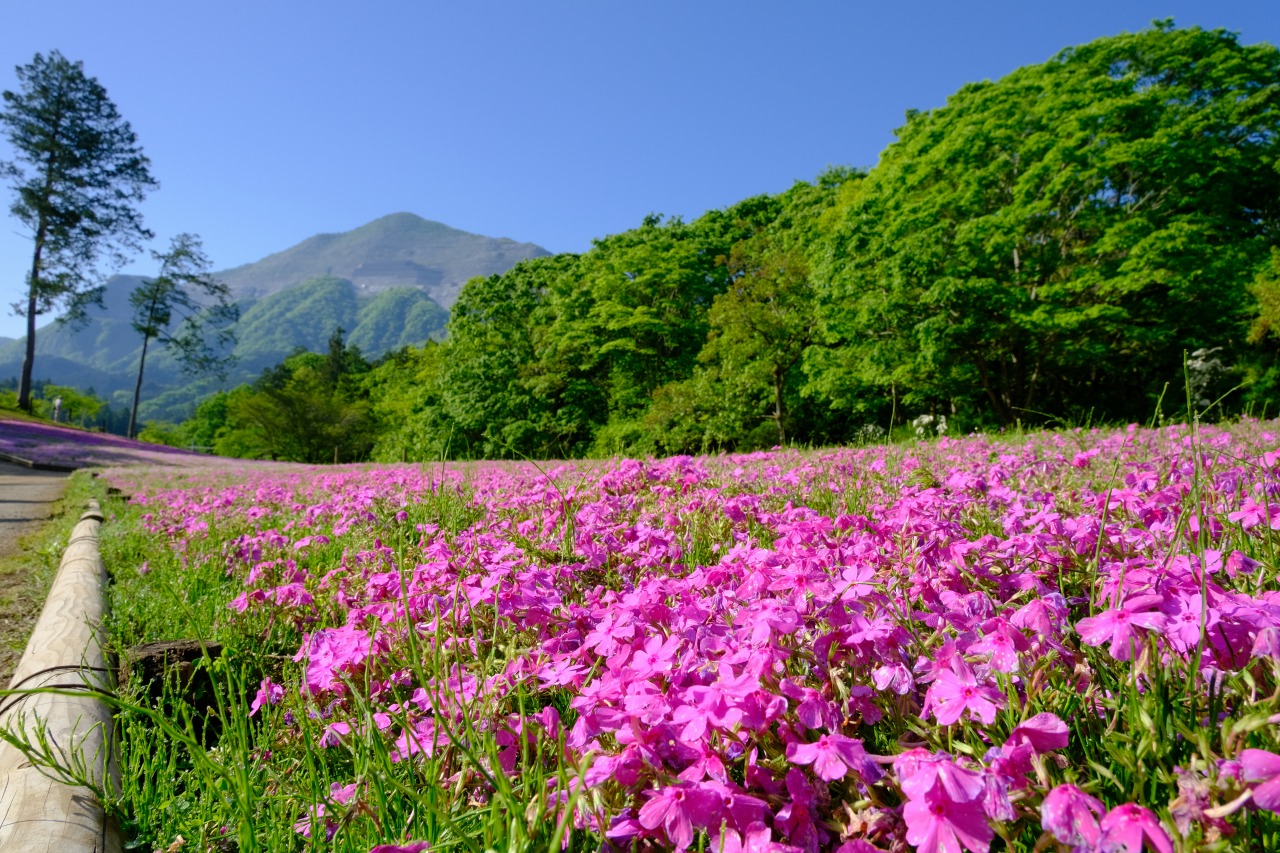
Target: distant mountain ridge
pixel 400 250
pixel 388 284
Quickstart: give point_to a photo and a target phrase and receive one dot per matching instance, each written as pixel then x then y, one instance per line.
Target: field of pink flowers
pixel 1065 641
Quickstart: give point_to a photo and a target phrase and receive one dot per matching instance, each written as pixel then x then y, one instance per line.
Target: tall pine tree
pixel 79 176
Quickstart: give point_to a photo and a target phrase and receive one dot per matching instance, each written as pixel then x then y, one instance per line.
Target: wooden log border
pixel 65 652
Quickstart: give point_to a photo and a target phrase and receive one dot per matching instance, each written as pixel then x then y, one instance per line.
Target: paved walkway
pixel 26 502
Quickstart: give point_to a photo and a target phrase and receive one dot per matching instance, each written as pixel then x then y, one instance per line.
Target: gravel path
pixel 26 502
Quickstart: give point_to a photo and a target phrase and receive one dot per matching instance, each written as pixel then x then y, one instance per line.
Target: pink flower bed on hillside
pixel 752 646
pixel 46 444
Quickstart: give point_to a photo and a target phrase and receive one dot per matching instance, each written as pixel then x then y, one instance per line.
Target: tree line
pixel 1090 239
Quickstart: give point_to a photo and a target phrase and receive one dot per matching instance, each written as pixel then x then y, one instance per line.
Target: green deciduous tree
pixel 79 176
pixel 406 392
pixel 75 406
pixel 312 408
pixel 631 318
pixel 764 321
pixel 1055 240
pixel 501 395
pixel 1266 290
pixel 185 310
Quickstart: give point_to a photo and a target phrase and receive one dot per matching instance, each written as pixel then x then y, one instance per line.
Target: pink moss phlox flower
pixel 242 601
pixel 338 795
pixel 858 582
pixel 1002 643
pixel 1042 616
pixel 966 611
pixel 1082 460
pixel 764 618
pixel 330 653
pixel 1072 816
pixel 657 656
pixel 646 702
pixel 1116 626
pixel 1250 514
pixel 1238 562
pixel 420 737
pixel 799 819
pixel 755 838
pixel 1261 766
pixel 862 704
pixel 614 633
pixel 759 778
pixel 735 807
pixel 1267 643
pixel 625 768
pixel 707 765
pixel 692 721
pixel 720 703
pixel 858 845
pixel 919 771
pixel 334 733
pixel 624 827
pixel 319 539
pixel 1044 732
pixel 995 797
pixel 936 823
pixel 1186 612
pixel 268 694
pixel 1010 763
pixel 943 659
pixel 956 691
pixel 407 847
pixel 872 636
pixel 291 595
pixel 833 756
pixel 677 809
pixel 894 677
pixel 813 710
pixel 1126 828
pixel 549 719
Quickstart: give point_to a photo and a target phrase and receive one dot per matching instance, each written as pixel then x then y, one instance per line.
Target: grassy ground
pixel 15 414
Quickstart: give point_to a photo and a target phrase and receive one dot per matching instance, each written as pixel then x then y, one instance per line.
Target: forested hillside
pixel 1093 238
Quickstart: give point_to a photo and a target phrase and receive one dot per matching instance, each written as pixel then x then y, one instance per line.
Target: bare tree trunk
pixel 137 388
pixel 33 284
pixel 777 408
pixel 29 360
pixel 997 399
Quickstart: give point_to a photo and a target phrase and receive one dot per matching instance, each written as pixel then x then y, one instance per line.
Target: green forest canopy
pixel 1051 246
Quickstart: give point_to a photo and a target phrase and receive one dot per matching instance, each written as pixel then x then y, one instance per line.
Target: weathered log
pixel 65 652
pixel 170 671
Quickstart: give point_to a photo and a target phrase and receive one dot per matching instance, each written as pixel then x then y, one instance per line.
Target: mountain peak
pixel 397 250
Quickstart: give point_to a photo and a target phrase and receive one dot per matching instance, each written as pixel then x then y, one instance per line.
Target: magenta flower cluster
pixel 852 650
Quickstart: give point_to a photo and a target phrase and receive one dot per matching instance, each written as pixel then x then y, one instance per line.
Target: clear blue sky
pixel 552 122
